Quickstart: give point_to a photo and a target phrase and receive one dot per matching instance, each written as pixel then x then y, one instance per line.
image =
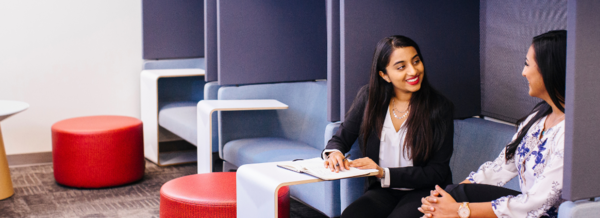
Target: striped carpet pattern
pixel 38 195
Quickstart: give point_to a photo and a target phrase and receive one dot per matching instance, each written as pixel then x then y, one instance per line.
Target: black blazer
pixel 436 171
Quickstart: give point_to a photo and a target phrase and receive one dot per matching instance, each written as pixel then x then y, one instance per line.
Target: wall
pixel 506 34
pixel 581 101
pixel 67 58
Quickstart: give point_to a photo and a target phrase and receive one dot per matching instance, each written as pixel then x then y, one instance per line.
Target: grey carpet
pixel 38 195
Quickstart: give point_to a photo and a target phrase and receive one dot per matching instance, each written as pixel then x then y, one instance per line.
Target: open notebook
pixel 314 167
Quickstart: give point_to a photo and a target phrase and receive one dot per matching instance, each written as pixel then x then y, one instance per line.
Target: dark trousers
pixel 478 192
pixel 385 202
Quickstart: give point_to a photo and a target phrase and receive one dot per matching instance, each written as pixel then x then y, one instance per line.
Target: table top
pixel 246 104
pixel 174 72
pixel 9 107
pixel 270 173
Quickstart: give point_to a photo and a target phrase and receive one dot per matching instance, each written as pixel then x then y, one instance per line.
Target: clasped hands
pixel 336 162
pixel 439 204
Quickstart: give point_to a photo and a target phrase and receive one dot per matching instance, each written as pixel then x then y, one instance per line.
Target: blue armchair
pixel 247 137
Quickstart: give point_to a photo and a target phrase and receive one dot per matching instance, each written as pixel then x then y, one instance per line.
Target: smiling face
pixel 534 77
pixel 405 70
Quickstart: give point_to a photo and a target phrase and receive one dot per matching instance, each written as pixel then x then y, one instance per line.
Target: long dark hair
pixel 551 57
pixel 425 124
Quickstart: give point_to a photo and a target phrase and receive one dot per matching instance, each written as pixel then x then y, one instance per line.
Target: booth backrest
pixel 477 141
pixel 303 121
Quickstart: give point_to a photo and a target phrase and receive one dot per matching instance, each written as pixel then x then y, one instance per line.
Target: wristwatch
pixel 464 211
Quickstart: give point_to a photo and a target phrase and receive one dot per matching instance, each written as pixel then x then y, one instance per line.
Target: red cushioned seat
pixel 98 151
pixel 209 195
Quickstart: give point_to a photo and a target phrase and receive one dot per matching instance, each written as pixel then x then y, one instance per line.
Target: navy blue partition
pixel 264 41
pixel 446 31
pixel 172 29
pixel 581 172
pixel 333 60
pixel 506 34
pixel 210 40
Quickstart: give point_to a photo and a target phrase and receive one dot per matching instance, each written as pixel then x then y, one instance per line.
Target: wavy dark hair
pixel 551 56
pixel 425 123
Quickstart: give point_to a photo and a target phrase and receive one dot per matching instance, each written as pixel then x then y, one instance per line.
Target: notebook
pixel 314 167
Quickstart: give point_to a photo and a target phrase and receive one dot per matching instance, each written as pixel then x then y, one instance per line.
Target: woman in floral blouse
pixel 535 154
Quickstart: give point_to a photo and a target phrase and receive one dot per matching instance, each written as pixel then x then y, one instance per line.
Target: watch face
pixel 464 212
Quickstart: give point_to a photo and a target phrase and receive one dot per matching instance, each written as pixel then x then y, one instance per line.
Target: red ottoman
pixel 98 151
pixel 209 195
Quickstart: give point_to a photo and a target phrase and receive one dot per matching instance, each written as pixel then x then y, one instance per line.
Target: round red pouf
pixel 208 195
pixel 98 151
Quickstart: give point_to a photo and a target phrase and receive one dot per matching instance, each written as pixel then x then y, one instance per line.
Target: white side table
pixel 257 186
pixel 7 109
pixel 149 114
pixel 205 109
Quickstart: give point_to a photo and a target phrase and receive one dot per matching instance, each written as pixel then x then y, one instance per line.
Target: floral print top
pixel 538 163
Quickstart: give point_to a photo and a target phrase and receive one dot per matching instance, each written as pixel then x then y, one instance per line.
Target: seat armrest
pixel 211 90
pixel 330 130
pixel 581 208
pixel 205 109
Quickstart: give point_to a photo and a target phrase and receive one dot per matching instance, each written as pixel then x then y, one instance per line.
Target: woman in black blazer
pixel 405 130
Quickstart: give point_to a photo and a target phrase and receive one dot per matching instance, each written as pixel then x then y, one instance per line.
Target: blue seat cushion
pixel 323 196
pixel 180 119
pixel 267 149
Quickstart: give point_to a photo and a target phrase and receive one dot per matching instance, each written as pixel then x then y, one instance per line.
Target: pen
pixel 347 156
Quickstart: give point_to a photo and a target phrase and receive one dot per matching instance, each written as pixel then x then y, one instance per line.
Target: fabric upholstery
pixel 290 44
pixel 211 195
pixel 180 117
pixel 279 135
pixel 179 89
pixel 267 149
pixel 456 76
pixel 579 209
pixel 323 196
pixel 505 35
pixel 477 141
pixel 303 121
pixel 172 29
pixel 98 151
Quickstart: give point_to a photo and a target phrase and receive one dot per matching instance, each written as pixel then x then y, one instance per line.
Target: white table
pixel 7 109
pixel 149 116
pixel 205 108
pixel 257 186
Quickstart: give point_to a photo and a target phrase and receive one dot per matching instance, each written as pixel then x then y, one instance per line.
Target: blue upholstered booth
pixel 179 117
pixel 475 142
pixel 280 135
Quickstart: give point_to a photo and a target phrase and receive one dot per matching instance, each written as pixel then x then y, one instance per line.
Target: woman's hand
pixel 335 161
pixel 466 182
pixel 434 206
pixel 367 163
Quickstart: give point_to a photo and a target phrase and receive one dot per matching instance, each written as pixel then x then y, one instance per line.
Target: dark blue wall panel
pixel 446 31
pixel 172 29
pixel 333 60
pixel 210 40
pixel 581 172
pixel 263 41
pixel 506 33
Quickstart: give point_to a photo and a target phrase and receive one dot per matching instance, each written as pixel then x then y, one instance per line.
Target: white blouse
pixel 538 163
pixel 390 148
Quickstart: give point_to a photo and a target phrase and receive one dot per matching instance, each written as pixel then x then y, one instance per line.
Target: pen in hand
pixel 345 158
